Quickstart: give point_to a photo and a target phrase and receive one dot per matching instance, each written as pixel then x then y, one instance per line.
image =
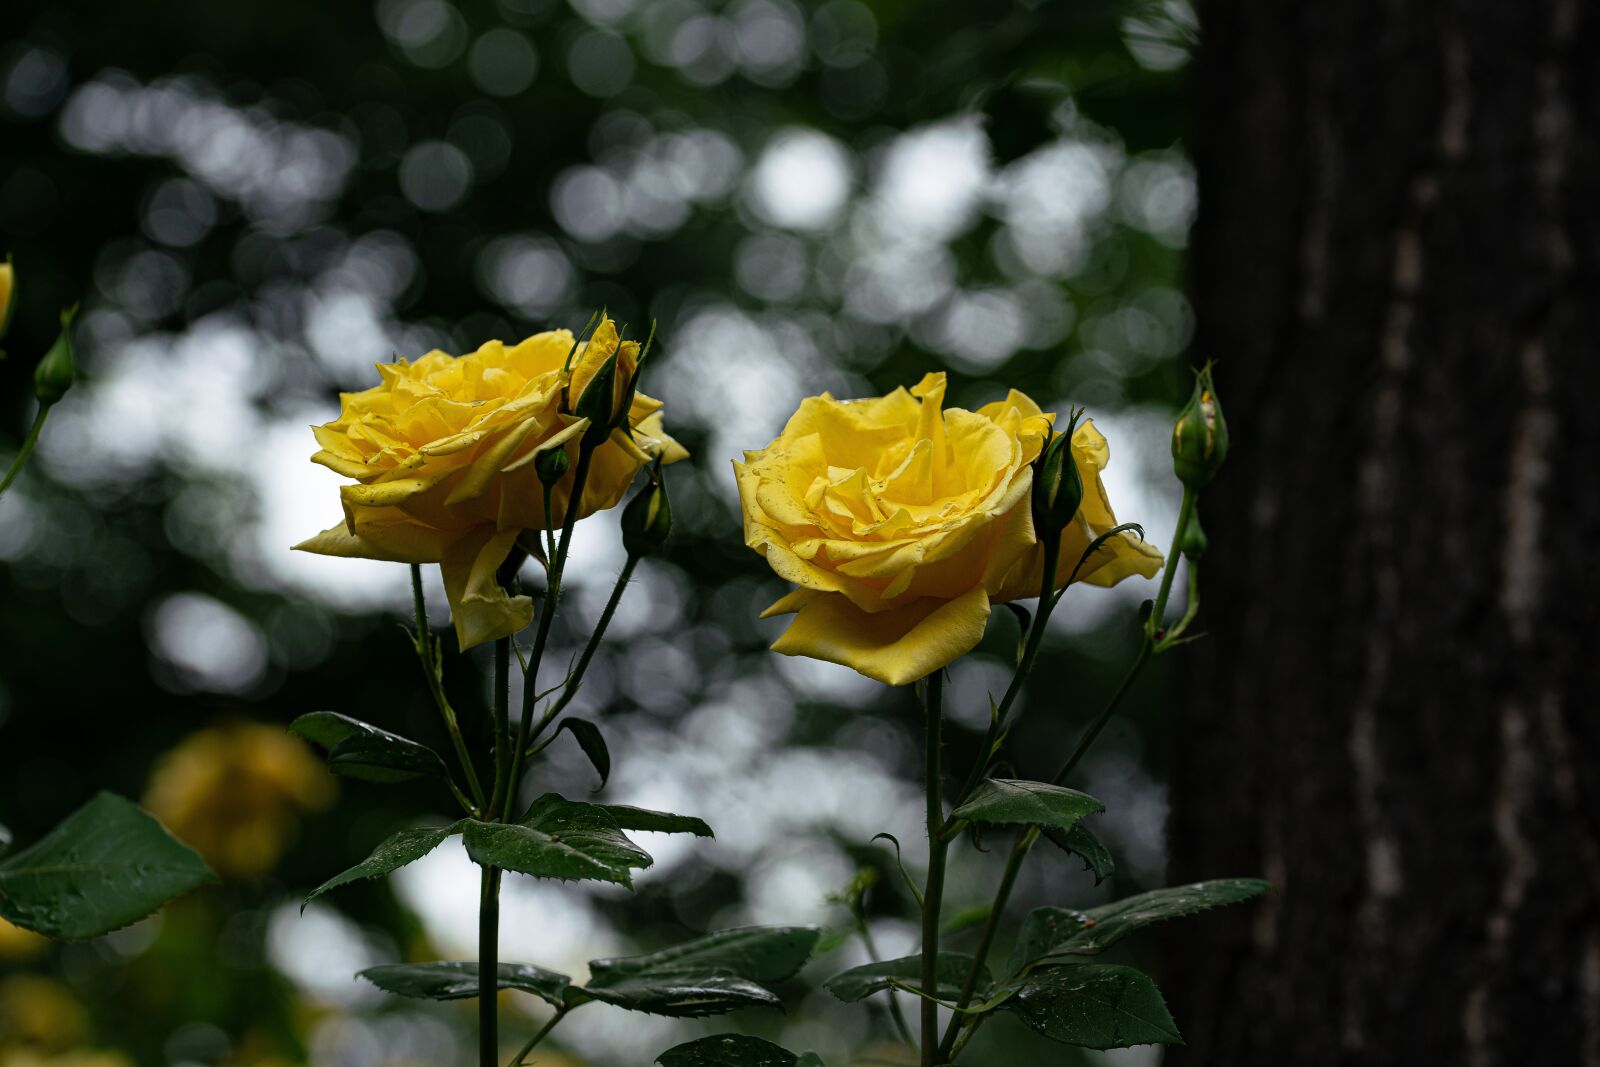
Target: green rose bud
pixel 647 518
pixel 8 295
pixel 1200 436
pixel 56 371
pixel 1057 485
pixel 552 465
pixel 597 403
pixel 1194 542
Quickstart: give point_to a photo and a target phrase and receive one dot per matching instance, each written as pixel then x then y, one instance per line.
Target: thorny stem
pixel 933 891
pixel 576 678
pixel 1157 618
pixel 521 1057
pixel 991 927
pixel 426 650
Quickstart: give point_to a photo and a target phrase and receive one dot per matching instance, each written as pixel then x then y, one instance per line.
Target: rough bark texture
pixel 1396 716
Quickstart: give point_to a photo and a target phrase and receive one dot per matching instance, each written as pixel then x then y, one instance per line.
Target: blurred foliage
pixel 256 201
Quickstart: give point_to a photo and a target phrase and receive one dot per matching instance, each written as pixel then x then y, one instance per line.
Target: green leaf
pixel 733 1050
pixel 1081 842
pixel 405 847
pixel 1095 1005
pixel 810 1059
pixel 1061 931
pixel 106 865
pixel 1004 800
pixel 860 982
pixel 362 751
pixel 459 981
pixel 713 974
pixel 593 745
pixel 661 822
pixel 558 838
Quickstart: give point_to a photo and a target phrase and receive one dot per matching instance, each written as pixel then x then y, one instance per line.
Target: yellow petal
pixel 391 536
pixel 897 646
pixel 480 608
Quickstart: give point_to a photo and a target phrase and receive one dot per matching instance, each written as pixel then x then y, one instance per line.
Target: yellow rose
pixel 235 794
pixel 8 291
pixel 444 452
pixel 902 522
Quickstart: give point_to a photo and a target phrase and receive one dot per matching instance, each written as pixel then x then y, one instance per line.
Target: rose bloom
pixel 444 452
pixel 902 522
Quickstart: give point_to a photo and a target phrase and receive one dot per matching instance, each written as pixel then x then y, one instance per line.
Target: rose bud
pixel 1200 436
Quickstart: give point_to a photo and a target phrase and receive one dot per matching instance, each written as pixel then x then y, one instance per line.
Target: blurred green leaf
pixel 708 976
pixel 405 847
pixel 1080 841
pixel 362 751
pixel 558 838
pixel 1062 931
pixel 459 981
pixel 108 864
pixel 661 822
pixel 869 978
pixel 1095 1005
pixel 1005 800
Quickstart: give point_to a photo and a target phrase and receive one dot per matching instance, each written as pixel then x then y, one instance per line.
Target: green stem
pixel 991 927
pixel 896 1012
pixel 572 683
pixel 1157 620
pixel 27 447
pixel 547 612
pixel 933 891
pixel 533 1042
pixel 426 649
pixel 1146 647
pixel 489 969
pixel 502 727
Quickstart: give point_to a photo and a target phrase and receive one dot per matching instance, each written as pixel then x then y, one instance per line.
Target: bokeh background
pixel 256 201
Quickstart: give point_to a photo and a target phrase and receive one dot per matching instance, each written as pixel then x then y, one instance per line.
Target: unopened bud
pixel 56 371
pixel 8 295
pixel 647 518
pixel 1057 486
pixel 597 403
pixel 1200 436
pixel 1194 542
pixel 552 465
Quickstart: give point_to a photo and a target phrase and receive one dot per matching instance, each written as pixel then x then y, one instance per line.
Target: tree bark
pixel 1396 714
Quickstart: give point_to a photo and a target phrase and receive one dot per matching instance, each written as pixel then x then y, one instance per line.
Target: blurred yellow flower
pixel 78 1058
pixel 19 944
pixel 8 291
pixel 902 521
pixel 235 792
pixel 444 449
pixel 40 1012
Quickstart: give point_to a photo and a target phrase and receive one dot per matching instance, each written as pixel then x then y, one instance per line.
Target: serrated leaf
pixel 593 744
pixel 405 847
pixel 459 981
pixel 1095 1005
pixel 710 975
pixel 1062 931
pixel 1012 801
pixel 661 822
pixel 1081 842
pixel 108 864
pixel 558 838
pixel 860 982
pixel 732 1050
pixel 362 751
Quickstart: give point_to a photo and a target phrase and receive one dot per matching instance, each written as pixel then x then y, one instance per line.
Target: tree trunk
pixel 1396 714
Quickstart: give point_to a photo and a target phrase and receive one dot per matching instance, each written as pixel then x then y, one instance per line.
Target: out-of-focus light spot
pixel 345 332
pixel 605 12
pixel 792 886
pixel 600 63
pixel 771 36
pixel 844 32
pixel 1050 201
pixel 772 266
pixel 934 178
pixel 486 140
pixel 529 275
pixel 435 175
pixel 801 181
pixel 702 48
pixel 179 213
pixel 320 951
pixel 1162 35
pixel 974 681
pixel 855 92
pixel 431 33
pixel 151 284
pixel 588 203
pixel 35 81
pixel 979 331
pixel 503 62
pixel 211 646
pixel 380 264
pixel 1158 196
